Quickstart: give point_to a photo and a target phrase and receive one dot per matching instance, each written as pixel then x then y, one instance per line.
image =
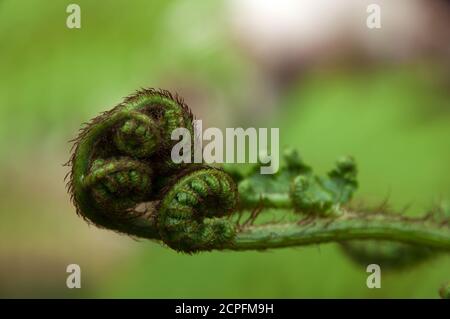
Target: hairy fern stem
pixel 350 226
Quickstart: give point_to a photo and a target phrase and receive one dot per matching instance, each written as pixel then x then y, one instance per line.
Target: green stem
pixel 267 200
pixel 420 232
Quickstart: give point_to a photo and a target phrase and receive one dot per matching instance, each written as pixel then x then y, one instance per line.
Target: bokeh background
pixel 312 68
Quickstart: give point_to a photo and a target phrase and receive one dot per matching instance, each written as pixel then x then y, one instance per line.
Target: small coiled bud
pixel 308 196
pixel 118 184
pixel 294 161
pixel 318 195
pixel 138 136
pixel 188 217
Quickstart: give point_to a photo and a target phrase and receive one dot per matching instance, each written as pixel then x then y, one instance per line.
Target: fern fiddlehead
pixel 204 193
pixel 121 160
pixel 122 178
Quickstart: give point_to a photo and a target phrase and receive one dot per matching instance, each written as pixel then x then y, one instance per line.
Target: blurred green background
pixel 390 111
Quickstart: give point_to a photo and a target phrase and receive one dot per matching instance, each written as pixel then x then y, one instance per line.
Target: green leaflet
pixel 295 185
